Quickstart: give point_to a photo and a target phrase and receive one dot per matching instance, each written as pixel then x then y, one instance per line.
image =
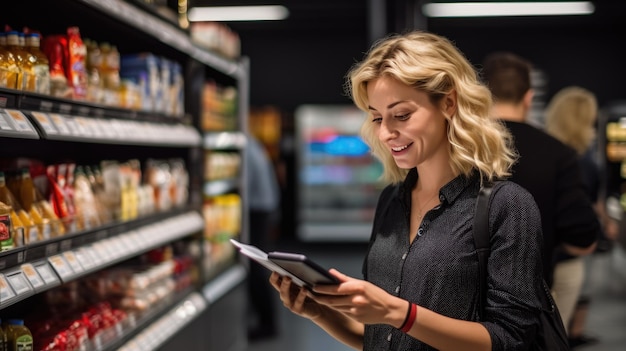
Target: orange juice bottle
pixel 29 199
pixel 8 65
pixel 22 59
pixel 41 64
pixel 30 231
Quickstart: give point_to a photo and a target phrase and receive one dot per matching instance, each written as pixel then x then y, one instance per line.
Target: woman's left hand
pixel 361 301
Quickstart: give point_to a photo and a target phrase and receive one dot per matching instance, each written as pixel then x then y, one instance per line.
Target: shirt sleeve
pixel 514 277
pixel 576 222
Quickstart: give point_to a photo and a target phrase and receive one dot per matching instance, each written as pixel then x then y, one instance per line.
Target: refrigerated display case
pixel 337 177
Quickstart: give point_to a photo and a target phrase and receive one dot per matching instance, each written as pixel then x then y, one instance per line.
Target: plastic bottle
pixel 19 336
pixel 31 203
pixel 3 338
pixel 25 80
pixel 9 64
pixel 41 64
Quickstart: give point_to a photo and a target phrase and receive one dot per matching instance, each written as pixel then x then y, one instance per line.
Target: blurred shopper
pixel 571 117
pixel 264 203
pixel 547 168
pixel 428 123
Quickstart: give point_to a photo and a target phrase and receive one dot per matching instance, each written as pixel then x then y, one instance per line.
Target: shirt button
pixel 397 289
pixel 389 337
pixel 420 232
pixel 404 256
pixel 441 197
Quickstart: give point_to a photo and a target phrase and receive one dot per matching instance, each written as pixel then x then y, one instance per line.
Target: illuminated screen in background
pixel 338 178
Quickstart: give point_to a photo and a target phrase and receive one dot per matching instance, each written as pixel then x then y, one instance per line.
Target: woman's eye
pixel 403 117
pixel 377 119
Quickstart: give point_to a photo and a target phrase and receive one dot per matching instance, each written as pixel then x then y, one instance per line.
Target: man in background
pixel 263 202
pixel 547 168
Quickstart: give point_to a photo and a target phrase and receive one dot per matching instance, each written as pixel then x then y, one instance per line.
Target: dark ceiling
pixel 303 59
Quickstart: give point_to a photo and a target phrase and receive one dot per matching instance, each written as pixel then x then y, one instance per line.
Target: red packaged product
pixel 55 47
pixel 76 67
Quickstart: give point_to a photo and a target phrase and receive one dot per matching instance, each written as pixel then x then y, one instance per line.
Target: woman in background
pixel 571 117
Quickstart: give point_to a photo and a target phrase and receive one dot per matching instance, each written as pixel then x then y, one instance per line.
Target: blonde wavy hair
pixel 570 117
pixel 432 64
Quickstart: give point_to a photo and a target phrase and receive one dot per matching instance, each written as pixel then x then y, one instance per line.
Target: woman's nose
pixel 387 131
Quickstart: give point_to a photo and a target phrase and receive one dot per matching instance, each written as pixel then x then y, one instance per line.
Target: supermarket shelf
pixel 166 33
pixel 15 124
pixel 155 332
pixel 114 131
pixel 218 187
pixel 34 269
pixel 223 283
pixel 224 140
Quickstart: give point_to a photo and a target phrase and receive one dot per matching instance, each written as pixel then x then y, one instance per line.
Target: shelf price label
pixel 33 277
pixel 6 292
pixel 60 265
pixel 59 123
pixel 18 282
pixel 46 273
pixel 71 259
pixel 83 255
pixel 4 121
pixel 45 122
pixel 19 119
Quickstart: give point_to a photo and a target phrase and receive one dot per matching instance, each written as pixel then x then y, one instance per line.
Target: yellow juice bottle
pixel 41 64
pixel 9 69
pixel 19 336
pixel 28 198
pixel 22 59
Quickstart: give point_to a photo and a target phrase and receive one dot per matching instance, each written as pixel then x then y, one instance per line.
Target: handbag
pixel 551 335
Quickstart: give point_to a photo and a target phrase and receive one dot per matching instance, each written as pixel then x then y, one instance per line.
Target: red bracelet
pixel 411 315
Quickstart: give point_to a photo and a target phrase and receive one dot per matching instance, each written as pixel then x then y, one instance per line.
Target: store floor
pixel 606 320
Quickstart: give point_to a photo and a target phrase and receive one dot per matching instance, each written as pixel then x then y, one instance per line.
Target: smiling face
pixel 407 122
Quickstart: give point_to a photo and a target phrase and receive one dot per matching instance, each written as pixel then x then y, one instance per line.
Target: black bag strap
pixel 482 239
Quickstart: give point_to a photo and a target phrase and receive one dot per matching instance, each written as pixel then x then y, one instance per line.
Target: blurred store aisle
pixel 606 321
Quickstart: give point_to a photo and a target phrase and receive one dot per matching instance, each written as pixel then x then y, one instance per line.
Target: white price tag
pixel 4 121
pixel 84 258
pixel 44 122
pixel 46 273
pixel 71 259
pixel 19 283
pixel 33 277
pixel 59 123
pixel 5 290
pixel 21 122
pixel 60 265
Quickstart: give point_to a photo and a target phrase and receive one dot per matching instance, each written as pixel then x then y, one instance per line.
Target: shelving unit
pixel 52 129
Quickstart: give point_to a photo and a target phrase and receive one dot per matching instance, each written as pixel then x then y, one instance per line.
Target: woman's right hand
pixel 295 297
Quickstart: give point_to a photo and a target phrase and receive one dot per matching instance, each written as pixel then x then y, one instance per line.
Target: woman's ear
pixel 449 103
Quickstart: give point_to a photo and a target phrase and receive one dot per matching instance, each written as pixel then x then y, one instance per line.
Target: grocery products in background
pixel 67 198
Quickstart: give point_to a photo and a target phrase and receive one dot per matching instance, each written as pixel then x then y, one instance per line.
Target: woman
pixel 571 117
pixel 428 124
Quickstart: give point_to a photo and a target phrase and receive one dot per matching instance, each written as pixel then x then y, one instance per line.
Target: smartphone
pixel 302 267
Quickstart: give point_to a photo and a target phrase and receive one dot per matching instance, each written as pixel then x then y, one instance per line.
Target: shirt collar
pixel 448 193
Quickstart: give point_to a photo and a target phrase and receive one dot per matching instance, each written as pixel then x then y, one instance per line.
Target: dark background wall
pixel 303 60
